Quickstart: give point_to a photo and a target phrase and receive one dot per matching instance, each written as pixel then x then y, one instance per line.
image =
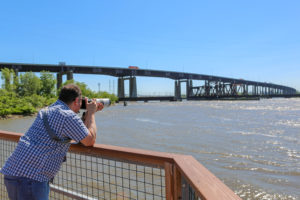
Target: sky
pixel 253 40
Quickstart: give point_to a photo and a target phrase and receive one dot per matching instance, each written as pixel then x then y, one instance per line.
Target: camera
pixel 106 102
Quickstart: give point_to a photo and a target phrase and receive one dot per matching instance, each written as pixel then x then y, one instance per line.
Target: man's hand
pixel 91 107
pixel 100 106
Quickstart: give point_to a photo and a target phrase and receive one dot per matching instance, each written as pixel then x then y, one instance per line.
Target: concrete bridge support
pixel 189 90
pixel 177 90
pixel 59 80
pixel 121 92
pixel 132 87
pixel 70 75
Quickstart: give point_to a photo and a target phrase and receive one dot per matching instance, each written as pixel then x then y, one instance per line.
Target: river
pixel 253 146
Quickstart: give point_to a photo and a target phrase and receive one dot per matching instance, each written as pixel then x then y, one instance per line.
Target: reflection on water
pixel 253 146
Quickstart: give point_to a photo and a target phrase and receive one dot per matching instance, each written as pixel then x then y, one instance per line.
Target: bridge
pixel 213 87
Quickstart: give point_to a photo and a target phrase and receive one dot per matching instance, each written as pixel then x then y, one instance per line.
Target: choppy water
pixel 253 146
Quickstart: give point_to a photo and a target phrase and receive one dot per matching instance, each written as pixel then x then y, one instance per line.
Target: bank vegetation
pixel 27 93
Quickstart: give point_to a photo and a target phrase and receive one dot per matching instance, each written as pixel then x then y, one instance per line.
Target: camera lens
pixel 105 101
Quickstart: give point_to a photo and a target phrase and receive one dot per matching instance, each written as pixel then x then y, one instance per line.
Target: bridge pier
pixel 132 87
pixel 70 75
pixel 177 92
pixel 189 90
pixel 58 80
pixel 121 92
pixel 59 77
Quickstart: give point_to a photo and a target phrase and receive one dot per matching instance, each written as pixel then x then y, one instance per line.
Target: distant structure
pixel 213 87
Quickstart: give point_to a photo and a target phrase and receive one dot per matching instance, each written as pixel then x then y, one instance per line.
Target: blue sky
pixel 255 40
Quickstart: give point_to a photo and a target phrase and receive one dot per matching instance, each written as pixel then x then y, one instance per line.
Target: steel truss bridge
pixel 212 87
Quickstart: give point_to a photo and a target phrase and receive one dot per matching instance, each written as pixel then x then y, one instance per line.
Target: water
pixel 253 146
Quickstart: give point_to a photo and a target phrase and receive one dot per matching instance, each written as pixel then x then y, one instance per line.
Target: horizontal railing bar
pixel 12 136
pixel 70 193
pixel 152 158
pixel 129 154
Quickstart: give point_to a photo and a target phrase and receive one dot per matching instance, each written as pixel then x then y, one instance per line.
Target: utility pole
pixel 113 87
pixel 99 87
pixel 109 87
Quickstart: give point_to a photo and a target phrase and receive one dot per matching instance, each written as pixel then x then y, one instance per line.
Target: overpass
pixel 212 87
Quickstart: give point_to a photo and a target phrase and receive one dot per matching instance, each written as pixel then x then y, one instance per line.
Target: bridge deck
pixel 123 72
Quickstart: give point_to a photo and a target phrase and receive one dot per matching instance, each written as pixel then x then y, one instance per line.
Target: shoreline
pixel 15 116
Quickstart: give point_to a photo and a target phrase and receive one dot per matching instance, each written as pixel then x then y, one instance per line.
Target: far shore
pixel 12 116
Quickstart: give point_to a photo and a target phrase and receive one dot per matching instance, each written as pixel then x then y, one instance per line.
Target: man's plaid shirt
pixel 39 157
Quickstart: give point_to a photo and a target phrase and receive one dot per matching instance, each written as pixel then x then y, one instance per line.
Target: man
pixel 38 157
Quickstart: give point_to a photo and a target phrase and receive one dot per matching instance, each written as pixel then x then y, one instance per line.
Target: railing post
pixel 177 183
pixel 169 181
pixel 173 182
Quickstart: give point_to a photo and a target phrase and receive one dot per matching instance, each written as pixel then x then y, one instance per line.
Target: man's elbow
pixel 89 140
pixel 88 144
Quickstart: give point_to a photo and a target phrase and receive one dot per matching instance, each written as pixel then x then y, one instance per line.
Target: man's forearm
pixel 90 123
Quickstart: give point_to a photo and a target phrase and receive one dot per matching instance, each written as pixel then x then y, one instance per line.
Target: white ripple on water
pixel 253 133
pixel 291 139
pixel 262 170
pixel 247 191
pixel 253 192
pixel 152 121
pixel 290 152
pixel 290 123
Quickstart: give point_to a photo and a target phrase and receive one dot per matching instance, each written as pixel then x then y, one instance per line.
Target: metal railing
pixel 110 172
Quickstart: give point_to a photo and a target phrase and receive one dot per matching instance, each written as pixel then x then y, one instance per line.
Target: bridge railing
pixel 110 172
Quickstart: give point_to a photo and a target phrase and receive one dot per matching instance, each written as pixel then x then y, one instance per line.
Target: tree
pixel 47 84
pixel 85 91
pixel 6 75
pixel 29 84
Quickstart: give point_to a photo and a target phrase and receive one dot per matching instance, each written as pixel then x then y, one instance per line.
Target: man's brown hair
pixel 69 93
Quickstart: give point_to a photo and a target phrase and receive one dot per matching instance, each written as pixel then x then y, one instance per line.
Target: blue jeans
pixel 19 188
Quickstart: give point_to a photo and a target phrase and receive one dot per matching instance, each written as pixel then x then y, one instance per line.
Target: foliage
pixel 30 84
pixel 47 84
pixel 113 98
pixel 86 92
pixel 11 104
pixel 7 75
pixel 27 93
pixel 39 101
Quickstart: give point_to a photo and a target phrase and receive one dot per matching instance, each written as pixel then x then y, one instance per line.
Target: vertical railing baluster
pixel 169 181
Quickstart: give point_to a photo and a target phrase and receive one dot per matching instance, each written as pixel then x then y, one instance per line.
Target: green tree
pixel 85 91
pixel 7 75
pixel 47 84
pixel 16 83
pixel 29 84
